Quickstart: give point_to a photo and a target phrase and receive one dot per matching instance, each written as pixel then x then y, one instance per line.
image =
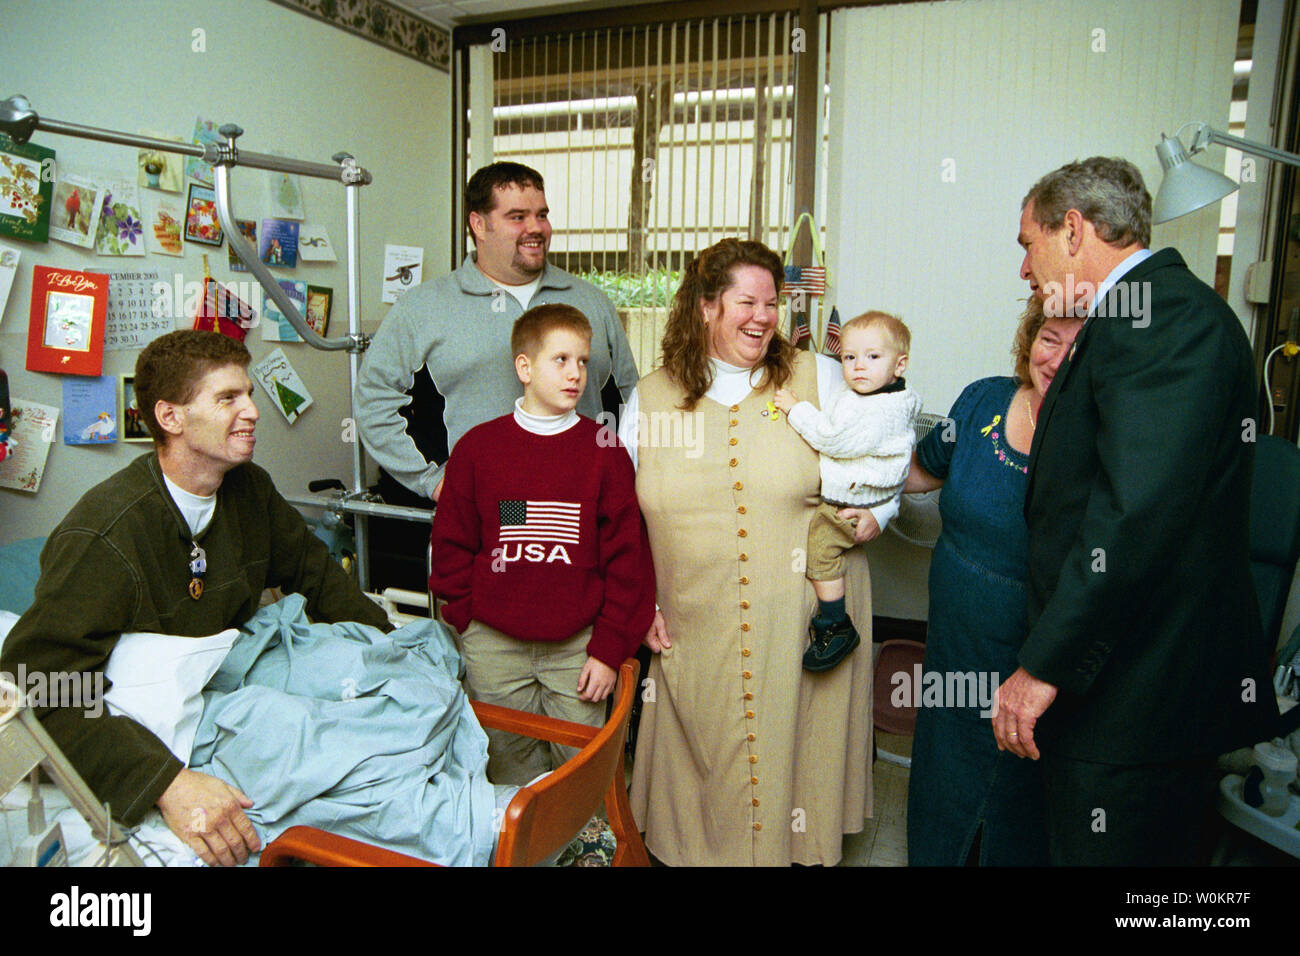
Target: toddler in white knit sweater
pixel 865 437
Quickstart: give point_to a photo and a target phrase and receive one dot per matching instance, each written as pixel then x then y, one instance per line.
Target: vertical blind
pixel 654 142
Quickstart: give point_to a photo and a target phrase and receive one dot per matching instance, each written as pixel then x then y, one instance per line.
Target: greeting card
pixel 65 331
pixel 314 244
pixel 159 169
pixel 401 270
pixel 166 220
pixel 121 227
pixel 278 245
pixel 133 429
pixel 32 432
pixel 286 196
pixel 77 207
pixel 201 217
pixel 247 229
pixel 319 299
pixel 276 327
pixel 26 190
pixel 282 384
pixel 205 132
pixel 89 411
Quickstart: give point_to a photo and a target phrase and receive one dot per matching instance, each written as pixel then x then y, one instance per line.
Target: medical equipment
pixel 25 746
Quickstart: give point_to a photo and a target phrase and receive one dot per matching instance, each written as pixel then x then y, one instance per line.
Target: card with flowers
pixel 201 217
pixel 121 227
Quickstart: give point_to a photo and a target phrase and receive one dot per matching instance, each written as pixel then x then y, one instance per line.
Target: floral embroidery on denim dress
pixel 990 432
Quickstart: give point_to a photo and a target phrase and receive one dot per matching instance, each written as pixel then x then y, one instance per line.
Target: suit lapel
pixel 1165 257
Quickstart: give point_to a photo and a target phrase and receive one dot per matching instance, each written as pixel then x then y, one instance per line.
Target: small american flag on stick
pixel 540 520
pixel 808 279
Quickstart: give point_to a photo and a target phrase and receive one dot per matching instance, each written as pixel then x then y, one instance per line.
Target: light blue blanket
pixel 345 728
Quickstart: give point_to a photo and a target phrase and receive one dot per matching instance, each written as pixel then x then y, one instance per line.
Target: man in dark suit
pixel 1144 657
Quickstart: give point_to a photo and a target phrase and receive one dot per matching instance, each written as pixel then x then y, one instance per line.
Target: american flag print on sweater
pixel 539 521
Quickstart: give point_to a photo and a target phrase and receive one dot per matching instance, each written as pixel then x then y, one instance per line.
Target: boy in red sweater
pixel 540 551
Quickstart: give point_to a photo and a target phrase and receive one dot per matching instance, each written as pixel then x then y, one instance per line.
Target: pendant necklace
pixel 198 569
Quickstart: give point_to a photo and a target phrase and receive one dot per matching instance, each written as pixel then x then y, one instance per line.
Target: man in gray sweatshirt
pixel 456 331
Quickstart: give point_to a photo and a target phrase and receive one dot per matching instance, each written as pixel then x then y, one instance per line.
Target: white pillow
pixel 158 682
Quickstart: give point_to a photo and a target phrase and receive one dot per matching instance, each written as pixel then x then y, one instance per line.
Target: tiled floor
pixel 883 841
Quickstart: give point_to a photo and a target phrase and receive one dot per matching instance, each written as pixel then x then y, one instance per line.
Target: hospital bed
pixel 537 823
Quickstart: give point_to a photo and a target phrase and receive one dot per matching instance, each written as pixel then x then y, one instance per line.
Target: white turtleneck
pixel 543 424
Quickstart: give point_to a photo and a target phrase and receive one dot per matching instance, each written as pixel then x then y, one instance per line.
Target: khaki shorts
pixel 828 538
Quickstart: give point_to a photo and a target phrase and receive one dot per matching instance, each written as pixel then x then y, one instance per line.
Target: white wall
pixel 998 92
pixel 296 86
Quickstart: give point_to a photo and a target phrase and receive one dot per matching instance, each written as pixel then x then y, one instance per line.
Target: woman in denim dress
pixel 968 802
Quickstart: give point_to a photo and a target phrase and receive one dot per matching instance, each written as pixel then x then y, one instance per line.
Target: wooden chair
pixel 542 818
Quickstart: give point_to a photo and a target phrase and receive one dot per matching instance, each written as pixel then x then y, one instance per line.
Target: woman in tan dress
pixel 743 758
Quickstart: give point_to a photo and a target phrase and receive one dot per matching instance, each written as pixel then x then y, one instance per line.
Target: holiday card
pixel 133 429
pixel 247 229
pixel 77 207
pixel 276 327
pixel 319 299
pixel 31 434
pixel 282 384
pixel 159 169
pixel 201 217
pixel 65 331
pixel 286 196
pixel 205 132
pixel 401 270
pixel 26 190
pixel 278 245
pixel 166 219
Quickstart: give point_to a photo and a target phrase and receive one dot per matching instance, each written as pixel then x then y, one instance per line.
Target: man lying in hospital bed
pixel 348 728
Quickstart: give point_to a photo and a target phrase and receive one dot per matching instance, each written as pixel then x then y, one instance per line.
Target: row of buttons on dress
pixel 746 674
